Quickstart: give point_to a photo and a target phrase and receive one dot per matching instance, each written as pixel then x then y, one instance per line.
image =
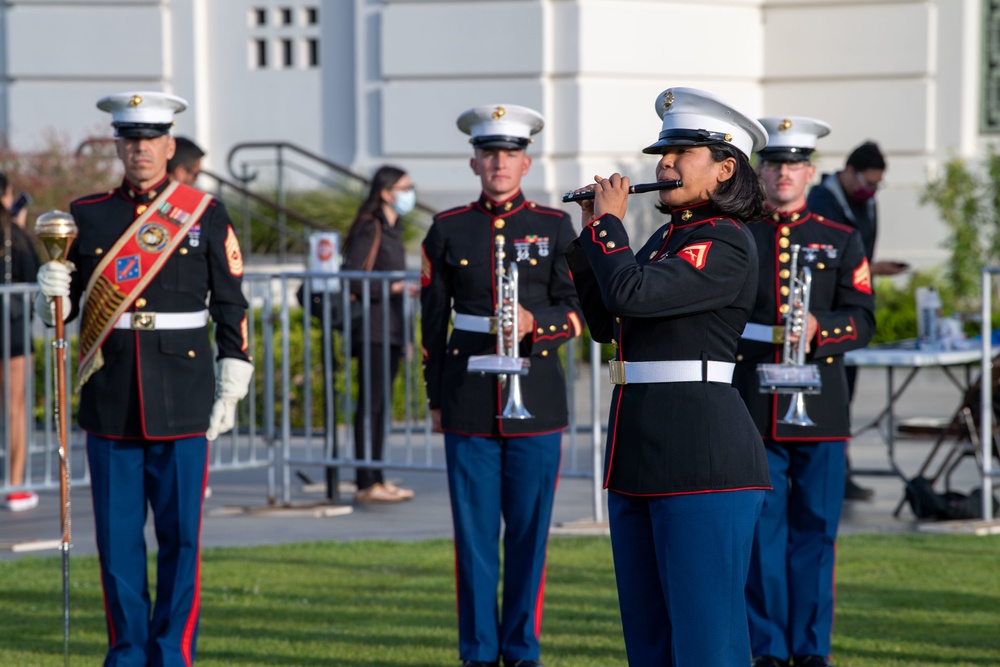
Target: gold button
pixel 785 231
pixel 784 290
pixel 784 243
pixel 618 320
pixel 183 251
pixel 140 303
pixel 664 235
pixel 191 354
pixel 532 204
pixel 739 357
pixel 565 327
pixel 837 330
pixel 541 330
pixel 552 327
pixel 783 258
pixel 824 333
pixel 131 193
pixel 784 308
pixel 99 251
pixel 820 265
pixel 545 353
pixel 785 273
pixel 848 329
pixel 603 233
pixel 499 223
pixel 611 245
pixel 454 352
pixel 652 254
pixel 595 223
pixel 532 261
pixel 463 262
pixel 140 209
pixel 829 360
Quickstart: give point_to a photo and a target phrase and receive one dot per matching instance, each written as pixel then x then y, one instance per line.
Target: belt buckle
pixel 144 321
pixel 778 335
pixel 617 371
pixel 494 325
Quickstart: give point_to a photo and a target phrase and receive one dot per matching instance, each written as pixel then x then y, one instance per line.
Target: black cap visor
pixel 141 130
pixel 785 154
pixel 683 137
pixel 500 141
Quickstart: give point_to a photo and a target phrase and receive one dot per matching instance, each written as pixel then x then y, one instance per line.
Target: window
pixel 258 16
pixel 287 52
pixel 312 46
pixel 259 53
pixel 312 15
pixel 286 15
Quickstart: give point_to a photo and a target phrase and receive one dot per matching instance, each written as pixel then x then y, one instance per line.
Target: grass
pixel 914 600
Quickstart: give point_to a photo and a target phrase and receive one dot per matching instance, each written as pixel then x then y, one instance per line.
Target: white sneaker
pixel 22 500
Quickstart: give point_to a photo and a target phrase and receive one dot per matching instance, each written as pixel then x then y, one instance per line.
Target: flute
pixel 633 189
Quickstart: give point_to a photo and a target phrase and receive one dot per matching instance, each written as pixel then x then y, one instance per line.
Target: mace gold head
pixel 56 230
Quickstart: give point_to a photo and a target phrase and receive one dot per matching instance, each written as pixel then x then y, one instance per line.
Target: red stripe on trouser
pixel 188 639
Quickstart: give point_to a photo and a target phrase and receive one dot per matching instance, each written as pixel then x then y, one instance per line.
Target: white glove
pixel 54 279
pixel 232 382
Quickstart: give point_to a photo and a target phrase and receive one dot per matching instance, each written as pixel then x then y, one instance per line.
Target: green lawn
pixel 913 600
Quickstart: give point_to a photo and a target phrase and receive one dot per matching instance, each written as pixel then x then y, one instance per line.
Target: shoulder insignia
pixel 696 253
pixel 863 278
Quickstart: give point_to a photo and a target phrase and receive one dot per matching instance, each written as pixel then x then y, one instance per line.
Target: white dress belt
pixel 646 372
pixel 764 333
pixel 475 323
pixel 147 321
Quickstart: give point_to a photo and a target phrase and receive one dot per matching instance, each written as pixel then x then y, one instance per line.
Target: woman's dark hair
pixel 742 196
pixel 383 179
pixel 866 156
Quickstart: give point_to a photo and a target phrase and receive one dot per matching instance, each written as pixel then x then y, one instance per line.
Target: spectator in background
pixel 185 165
pixel 19 263
pixel 375 243
pixel 848 197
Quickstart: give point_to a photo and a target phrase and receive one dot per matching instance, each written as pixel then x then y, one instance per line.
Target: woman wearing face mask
pixel 375 243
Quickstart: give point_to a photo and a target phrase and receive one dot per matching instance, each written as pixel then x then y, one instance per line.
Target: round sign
pixel 324 250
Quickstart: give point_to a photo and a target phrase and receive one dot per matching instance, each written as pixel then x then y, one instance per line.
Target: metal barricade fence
pixel 300 412
pixel 310 381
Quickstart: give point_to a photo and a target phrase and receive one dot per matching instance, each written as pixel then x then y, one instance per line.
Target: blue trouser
pixel 489 478
pixel 790 588
pixel 681 566
pixel 169 476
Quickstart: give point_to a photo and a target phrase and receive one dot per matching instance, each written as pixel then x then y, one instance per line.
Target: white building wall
pixel 394 74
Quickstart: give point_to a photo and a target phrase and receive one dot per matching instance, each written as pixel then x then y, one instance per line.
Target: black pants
pixel 367 477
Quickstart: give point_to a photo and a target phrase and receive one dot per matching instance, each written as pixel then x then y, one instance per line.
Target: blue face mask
pixel 405 201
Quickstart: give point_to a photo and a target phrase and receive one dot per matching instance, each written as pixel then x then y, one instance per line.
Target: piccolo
pixel 633 189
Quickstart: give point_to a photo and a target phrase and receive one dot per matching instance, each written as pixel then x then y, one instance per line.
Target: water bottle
pixel 928 317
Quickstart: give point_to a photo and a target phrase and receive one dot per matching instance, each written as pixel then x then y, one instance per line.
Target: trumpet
pixel 794 376
pixel 505 363
pixel 633 190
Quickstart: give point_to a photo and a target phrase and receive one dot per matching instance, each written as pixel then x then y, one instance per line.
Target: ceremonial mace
pixel 56 230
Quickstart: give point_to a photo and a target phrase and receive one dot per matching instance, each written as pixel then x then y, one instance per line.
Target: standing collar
pixel 134 194
pixel 689 215
pixel 789 217
pixel 501 207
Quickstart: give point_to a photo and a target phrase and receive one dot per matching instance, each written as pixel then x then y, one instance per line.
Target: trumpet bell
pixel 796 414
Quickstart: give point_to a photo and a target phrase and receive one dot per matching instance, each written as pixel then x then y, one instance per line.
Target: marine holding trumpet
pixel 499 467
pixel 790 586
pixel 684 465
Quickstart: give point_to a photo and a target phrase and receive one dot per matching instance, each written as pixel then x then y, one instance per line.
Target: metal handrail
pixel 280 146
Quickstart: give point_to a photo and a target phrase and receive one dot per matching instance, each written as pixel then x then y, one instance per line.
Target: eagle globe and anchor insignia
pixel 153 237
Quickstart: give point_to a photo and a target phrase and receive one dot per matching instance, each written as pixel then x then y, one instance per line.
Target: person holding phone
pixel 19 262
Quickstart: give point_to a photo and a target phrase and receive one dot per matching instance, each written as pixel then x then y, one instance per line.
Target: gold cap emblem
pixel 135 101
pixel 499 113
pixel 785 125
pixel 668 100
